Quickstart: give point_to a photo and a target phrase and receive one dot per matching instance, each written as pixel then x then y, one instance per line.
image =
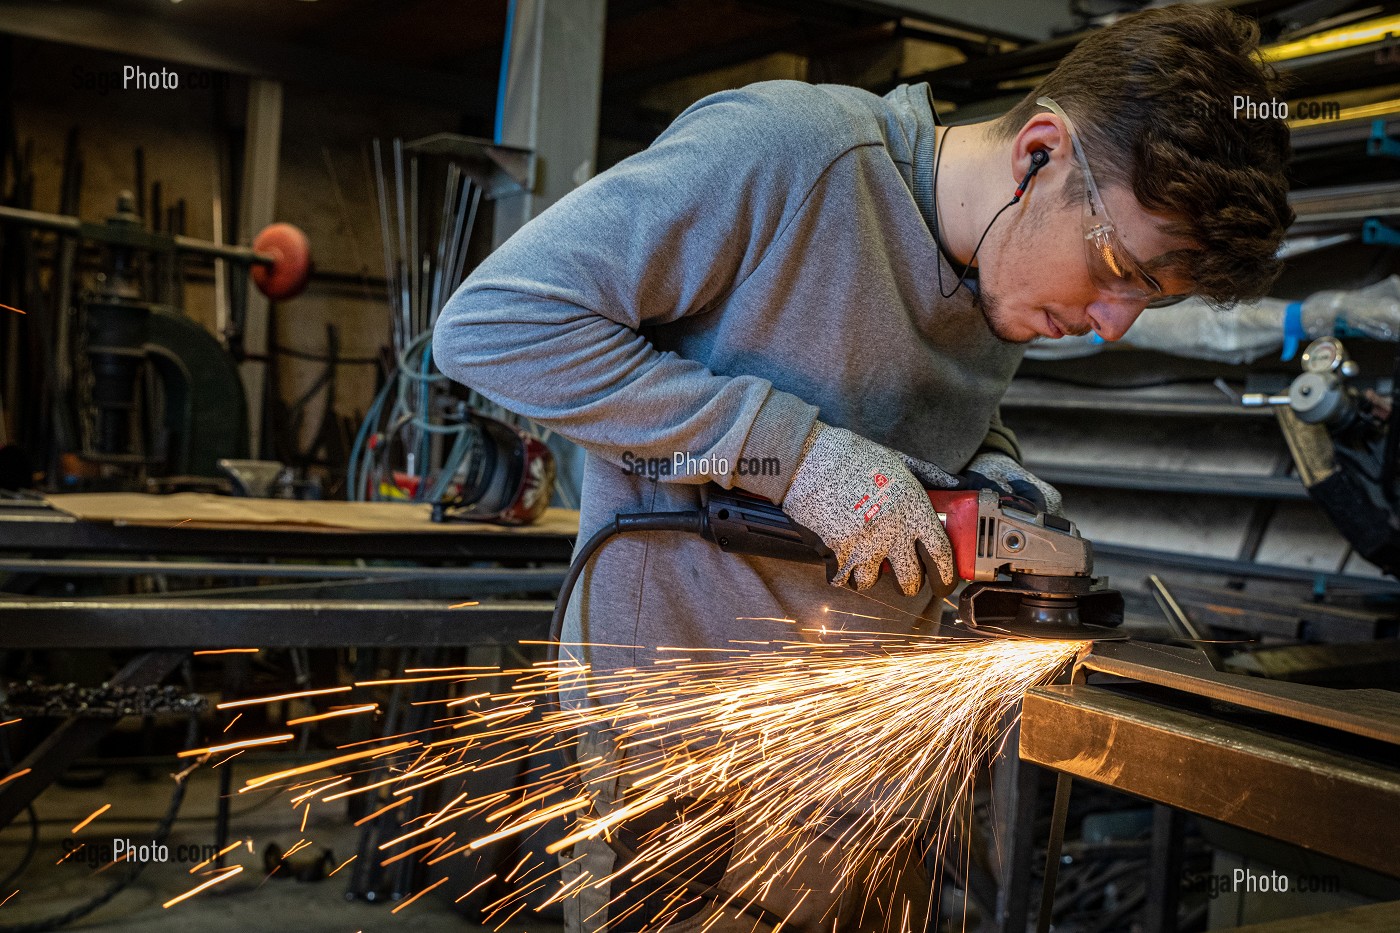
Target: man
pixel 783 281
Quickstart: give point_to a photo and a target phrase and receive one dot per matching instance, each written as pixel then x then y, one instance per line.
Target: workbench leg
pixel 1014 790
pixel 1164 869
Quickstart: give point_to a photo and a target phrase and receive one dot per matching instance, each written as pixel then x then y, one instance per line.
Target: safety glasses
pixel 1112 268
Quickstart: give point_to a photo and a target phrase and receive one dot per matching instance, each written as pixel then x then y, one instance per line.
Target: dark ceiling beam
pixel 1018 21
pixel 619 10
pixel 720 56
pixel 161 38
pixel 971 46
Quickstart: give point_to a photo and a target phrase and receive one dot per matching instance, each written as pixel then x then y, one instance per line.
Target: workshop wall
pixel 192 134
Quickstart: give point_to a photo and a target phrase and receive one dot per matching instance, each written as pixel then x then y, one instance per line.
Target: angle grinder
pixel 1030 573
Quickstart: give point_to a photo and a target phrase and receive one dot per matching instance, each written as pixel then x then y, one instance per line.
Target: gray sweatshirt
pixel 768 260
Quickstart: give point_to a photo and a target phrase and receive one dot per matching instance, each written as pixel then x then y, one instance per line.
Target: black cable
pixel 116 887
pixel 29 852
pixel 937 160
pixel 637 521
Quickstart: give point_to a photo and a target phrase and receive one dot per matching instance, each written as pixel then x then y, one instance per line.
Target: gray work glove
pixel 864 502
pixel 1008 474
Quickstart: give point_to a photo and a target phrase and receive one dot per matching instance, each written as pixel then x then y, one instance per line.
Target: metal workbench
pixel 1312 766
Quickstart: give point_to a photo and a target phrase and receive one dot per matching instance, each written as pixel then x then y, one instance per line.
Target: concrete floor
pixel 248 902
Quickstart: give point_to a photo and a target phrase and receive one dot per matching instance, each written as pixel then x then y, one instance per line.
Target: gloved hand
pixel 864 502
pixel 1008 474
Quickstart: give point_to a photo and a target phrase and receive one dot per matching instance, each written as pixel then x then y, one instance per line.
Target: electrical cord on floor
pixel 116 887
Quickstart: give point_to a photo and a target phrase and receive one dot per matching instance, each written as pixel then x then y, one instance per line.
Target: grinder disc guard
pixel 1032 606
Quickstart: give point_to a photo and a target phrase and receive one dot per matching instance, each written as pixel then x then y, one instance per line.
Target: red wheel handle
pixel 291 265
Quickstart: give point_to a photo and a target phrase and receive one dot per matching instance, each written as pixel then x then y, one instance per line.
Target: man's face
pixel 1037 282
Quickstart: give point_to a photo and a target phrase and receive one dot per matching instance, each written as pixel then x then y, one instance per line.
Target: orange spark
pixel 92 816
pixel 284 696
pixel 246 743
pixel 14 774
pixel 415 897
pixel 224 876
pixel 15 310
pixel 349 711
pixel 227 651
pixel 255 783
pixel 217 855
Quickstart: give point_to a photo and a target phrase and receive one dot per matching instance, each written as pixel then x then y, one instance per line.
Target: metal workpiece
pixel 223 623
pixel 1371 714
pixel 1346 806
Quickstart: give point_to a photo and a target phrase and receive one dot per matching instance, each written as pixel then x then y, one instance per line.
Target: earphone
pixel 1039 159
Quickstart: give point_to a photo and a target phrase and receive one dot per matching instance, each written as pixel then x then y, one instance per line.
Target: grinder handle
pixel 744 524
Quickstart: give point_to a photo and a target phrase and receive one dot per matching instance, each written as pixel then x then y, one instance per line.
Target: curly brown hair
pixel 1151 97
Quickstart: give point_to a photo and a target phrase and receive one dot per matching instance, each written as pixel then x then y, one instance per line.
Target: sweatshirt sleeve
pixel 552 324
pixel 1001 439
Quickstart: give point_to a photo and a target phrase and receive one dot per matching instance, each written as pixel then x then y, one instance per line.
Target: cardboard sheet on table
pixel 205 510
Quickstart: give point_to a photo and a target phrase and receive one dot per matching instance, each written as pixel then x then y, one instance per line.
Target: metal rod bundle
pixel 424 261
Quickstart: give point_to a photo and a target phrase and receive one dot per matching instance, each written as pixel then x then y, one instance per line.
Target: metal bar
pixel 1164 870
pixel 1346 807
pixel 1238 568
pixel 226 623
pixel 64 223
pixel 46 532
pixel 75 736
pixel 1295 618
pixel 1373 714
pixel 1014 790
pixel 379 588
pixel 1181 623
pixel 1064 784
pixel 1234 485
pixel 521 579
pixel 1040 395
